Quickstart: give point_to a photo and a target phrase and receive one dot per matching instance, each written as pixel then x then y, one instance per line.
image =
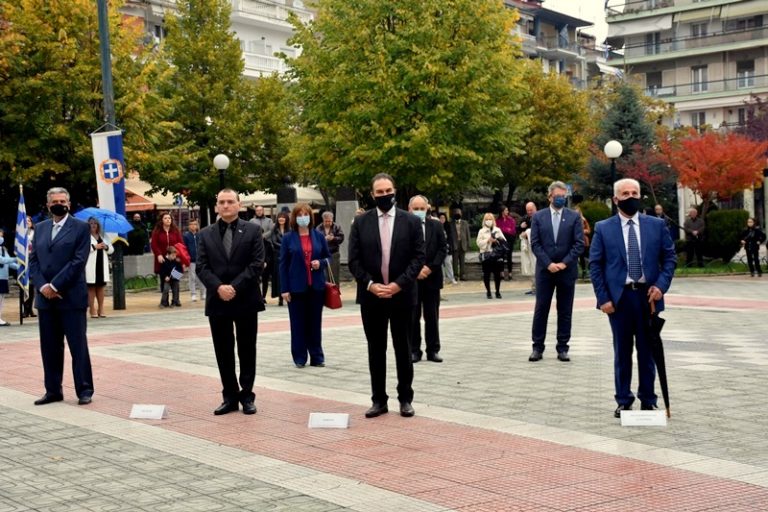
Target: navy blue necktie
pixel 633 254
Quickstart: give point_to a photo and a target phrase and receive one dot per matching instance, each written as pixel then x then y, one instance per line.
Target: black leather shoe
pixel 617 413
pixel 249 407
pixel 563 356
pixel 84 400
pixel 435 358
pixel 48 398
pixel 415 358
pixel 498 295
pixel 535 356
pixel 488 295
pixel 406 410
pixel 319 365
pixel 376 410
pixel 226 407
pixel 648 407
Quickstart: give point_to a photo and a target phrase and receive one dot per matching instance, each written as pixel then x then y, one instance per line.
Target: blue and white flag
pixel 21 245
pixel 110 172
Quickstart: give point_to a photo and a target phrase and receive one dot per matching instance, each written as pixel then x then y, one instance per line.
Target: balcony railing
pixel 555 43
pixel 739 84
pixel 271 11
pixel 263 64
pixel 619 7
pixel 691 43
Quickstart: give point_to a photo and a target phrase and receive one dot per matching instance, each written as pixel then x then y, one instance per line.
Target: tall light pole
pixel 221 162
pixel 613 150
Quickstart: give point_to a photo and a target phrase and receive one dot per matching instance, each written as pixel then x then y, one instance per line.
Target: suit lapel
pixel 215 236
pixel 645 239
pixel 237 235
pixel 618 235
pixel 66 228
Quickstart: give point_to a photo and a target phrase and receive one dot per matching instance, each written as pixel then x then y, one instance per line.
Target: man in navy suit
pixel 57 267
pixel 386 254
pixel 630 268
pixel 557 240
pixel 429 283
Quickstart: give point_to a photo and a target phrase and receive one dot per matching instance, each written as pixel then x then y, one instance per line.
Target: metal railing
pixel 743 83
pixel 691 43
pixel 619 7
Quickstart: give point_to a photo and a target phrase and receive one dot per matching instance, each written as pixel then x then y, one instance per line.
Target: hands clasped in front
pixel 226 292
pixel 654 295
pixel 384 291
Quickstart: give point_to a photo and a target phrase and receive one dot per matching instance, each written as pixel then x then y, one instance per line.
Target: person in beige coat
pixel 97 268
pixel 489 236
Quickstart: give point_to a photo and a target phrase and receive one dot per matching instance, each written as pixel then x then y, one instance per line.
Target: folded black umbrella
pixel 655 324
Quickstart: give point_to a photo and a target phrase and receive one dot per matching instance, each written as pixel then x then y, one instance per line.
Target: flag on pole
pixel 110 172
pixel 21 245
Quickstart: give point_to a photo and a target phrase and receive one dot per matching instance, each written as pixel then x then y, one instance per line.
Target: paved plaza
pixel 492 431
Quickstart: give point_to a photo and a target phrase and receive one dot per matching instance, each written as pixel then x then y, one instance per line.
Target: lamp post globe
pixel 221 162
pixel 613 150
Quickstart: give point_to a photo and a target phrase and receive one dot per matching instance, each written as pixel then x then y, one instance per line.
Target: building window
pixel 742 116
pixel 699 29
pixel 653 82
pixel 745 73
pixel 653 43
pixel 743 23
pixel 699 78
pixel 698 119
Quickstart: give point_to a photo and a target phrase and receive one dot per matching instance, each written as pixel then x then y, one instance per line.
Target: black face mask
pixel 59 210
pixel 457 216
pixel 385 203
pixel 630 205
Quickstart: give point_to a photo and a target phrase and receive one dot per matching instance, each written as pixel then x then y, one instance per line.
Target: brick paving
pixel 493 432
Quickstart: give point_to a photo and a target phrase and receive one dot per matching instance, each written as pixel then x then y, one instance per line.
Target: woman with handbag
pixel 493 247
pixel 304 256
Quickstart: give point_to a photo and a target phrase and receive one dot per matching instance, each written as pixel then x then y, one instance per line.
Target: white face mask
pixel 421 214
pixel 302 220
pixel 488 224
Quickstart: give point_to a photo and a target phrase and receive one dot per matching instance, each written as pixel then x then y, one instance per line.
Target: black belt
pixel 636 286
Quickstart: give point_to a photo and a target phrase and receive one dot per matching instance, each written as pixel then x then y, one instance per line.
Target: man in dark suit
pixel 429 283
pixel 386 254
pixel 230 259
pixel 461 244
pixel 60 250
pixel 557 240
pixel 631 262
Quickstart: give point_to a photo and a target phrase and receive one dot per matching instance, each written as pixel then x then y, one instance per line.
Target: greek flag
pixel 110 172
pixel 21 245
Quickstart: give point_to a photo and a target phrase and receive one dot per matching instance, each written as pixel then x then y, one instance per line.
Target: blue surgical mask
pixel 558 201
pixel 302 220
pixel 421 214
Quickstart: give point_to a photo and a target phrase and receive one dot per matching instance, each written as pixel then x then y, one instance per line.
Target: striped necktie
pixel 635 267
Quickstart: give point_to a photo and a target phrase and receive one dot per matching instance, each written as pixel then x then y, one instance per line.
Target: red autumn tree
pixel 648 166
pixel 716 166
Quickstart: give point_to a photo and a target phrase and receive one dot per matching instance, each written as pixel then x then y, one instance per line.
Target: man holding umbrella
pixel 631 262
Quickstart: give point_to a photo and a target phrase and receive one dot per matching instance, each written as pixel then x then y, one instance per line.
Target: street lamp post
pixel 221 162
pixel 613 150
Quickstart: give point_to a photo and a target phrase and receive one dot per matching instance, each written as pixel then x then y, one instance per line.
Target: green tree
pixel 218 109
pixel 558 132
pixel 51 94
pixel 427 90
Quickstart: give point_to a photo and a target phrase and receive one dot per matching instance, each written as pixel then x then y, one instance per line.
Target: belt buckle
pixel 634 285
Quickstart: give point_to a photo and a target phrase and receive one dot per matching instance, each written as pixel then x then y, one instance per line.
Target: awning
pixel 698 15
pixel 609 70
pixel 745 9
pixel 641 26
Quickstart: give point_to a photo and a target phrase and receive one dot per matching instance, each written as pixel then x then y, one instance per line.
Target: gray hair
pixel 556 185
pixel 418 196
pixel 327 215
pixel 56 190
pixel 624 181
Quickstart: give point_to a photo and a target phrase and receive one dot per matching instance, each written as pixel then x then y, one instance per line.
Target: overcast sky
pixel 589 10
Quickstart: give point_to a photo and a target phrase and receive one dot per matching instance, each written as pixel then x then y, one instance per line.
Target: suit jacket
pixel 462 235
pixel 61 263
pixel 435 247
pixel 293 270
pixel 241 269
pixel 608 258
pixel 568 246
pixel 406 255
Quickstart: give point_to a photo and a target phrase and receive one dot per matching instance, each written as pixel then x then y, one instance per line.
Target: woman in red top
pixel 304 256
pixel 506 223
pixel 165 235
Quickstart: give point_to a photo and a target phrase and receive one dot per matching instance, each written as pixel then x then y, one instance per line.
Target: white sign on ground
pixel 328 420
pixel 148 412
pixel 655 418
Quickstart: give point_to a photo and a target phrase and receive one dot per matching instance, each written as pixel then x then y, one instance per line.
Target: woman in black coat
pixel 751 239
pixel 276 241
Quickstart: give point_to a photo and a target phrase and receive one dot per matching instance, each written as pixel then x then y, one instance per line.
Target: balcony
pixel 744 84
pixel 620 7
pixel 557 47
pixel 257 65
pixel 269 12
pixel 710 41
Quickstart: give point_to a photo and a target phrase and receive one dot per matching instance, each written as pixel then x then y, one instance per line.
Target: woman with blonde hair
pixel 489 238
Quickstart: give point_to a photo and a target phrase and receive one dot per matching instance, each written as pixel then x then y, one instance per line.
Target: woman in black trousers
pixel 751 239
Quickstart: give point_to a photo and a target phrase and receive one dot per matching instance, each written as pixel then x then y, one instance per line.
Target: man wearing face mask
pixel 386 255
pixel 429 283
pixel 557 240
pixel 461 229
pixel 57 266
pixel 631 262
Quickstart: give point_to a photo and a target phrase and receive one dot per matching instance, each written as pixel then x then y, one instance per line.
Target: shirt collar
pixel 635 218
pixel 390 213
pixel 554 210
pixel 224 225
pixel 62 221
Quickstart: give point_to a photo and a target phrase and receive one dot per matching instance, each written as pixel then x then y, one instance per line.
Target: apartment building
pixel 261 26
pixel 704 56
pixel 553 38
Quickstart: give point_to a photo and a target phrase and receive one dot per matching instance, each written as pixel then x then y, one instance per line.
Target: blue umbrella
pixel 110 221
